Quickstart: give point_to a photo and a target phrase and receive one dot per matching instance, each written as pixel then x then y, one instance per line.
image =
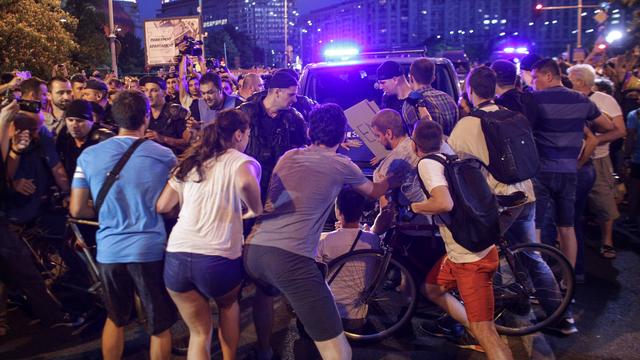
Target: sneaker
pixel 566 326
pixel 443 327
pixel 467 341
pixel 69 320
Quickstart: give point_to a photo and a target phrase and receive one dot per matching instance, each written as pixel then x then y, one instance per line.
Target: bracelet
pixel 12 150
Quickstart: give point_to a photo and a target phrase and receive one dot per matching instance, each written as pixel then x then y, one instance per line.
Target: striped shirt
pixel 558 121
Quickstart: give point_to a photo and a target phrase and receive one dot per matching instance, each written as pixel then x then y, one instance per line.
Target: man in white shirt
pixel 602 195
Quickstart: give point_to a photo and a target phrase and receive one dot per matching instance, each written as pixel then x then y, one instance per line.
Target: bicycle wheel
pixel 533 292
pixel 374 300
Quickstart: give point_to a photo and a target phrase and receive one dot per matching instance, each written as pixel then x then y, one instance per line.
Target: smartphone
pixel 32 106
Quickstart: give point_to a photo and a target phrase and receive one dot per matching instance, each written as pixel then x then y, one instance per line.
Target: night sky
pixel 149 9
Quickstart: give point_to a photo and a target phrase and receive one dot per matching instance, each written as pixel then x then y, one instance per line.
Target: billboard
pixel 161 37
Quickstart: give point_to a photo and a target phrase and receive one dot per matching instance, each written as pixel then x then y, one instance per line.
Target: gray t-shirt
pixel 303 188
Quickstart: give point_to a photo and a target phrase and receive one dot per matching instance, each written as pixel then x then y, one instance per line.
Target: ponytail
pixel 214 141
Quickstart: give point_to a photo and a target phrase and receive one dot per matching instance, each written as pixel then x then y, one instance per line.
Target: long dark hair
pixel 215 139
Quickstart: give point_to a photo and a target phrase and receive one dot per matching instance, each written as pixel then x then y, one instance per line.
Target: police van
pixel 349 81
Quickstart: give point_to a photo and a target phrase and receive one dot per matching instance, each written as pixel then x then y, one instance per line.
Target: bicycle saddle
pixel 514 199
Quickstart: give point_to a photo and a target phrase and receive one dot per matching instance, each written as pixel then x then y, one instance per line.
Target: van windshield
pixel 349 84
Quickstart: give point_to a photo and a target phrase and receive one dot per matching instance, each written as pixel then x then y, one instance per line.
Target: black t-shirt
pixel 511 100
pixel 68 150
pixel 392 102
pixel 170 122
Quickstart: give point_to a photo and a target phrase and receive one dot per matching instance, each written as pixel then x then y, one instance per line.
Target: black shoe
pixel 566 326
pixel 444 327
pixel 69 320
pixel 467 341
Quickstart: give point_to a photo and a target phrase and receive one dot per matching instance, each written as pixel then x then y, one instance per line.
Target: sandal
pixel 608 252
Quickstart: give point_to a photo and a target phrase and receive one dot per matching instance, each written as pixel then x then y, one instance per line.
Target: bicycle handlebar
pixel 83 222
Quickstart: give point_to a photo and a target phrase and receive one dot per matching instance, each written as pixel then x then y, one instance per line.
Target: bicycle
pixel 384 290
pixel 87 280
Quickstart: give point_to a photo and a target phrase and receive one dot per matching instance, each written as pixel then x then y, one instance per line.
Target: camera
pixel 32 106
pixel 194 47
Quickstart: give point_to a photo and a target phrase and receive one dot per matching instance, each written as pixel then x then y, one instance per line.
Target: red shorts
pixel 473 280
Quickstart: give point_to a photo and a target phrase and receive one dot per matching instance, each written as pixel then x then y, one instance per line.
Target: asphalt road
pixel 607 311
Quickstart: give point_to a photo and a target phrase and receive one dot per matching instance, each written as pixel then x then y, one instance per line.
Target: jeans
pixel 586 179
pixel 523 231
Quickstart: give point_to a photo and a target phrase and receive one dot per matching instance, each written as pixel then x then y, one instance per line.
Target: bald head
pixel 251 84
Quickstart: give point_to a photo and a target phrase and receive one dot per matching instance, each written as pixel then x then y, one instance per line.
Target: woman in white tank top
pixel 211 184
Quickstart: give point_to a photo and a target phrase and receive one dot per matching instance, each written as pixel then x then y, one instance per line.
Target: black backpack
pixel 473 221
pixel 513 156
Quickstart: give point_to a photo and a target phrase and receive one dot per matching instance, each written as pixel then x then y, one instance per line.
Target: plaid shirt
pixel 440 105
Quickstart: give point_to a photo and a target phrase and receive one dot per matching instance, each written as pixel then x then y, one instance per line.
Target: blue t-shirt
pixel 633 122
pixel 558 126
pixel 130 228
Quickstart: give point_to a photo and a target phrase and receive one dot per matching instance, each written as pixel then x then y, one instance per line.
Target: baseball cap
pixel 506 72
pixel 97 85
pixel 154 80
pixel 80 109
pixel 282 80
pixel 388 70
pixel 527 62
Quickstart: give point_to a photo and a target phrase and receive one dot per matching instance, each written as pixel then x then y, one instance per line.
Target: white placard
pixel 359 117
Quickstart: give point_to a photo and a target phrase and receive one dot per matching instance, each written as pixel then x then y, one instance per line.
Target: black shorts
pixel 302 283
pixel 122 280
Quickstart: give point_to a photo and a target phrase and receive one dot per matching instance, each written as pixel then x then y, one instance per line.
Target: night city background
pixel 252 32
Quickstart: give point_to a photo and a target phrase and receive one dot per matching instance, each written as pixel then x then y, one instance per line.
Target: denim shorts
pixel 555 193
pixel 212 276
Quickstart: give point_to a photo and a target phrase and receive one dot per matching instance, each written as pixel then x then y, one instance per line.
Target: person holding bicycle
pixel 204 254
pixel 470 272
pixel 468 139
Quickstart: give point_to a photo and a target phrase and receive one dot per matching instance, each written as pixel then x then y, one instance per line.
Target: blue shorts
pixel 212 276
pixel 555 193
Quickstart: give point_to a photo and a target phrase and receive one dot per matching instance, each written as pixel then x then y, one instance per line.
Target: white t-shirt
pixel 432 174
pixel 608 106
pixel 210 219
pixel 352 279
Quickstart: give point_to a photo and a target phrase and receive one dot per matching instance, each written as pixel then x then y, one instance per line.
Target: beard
pixel 62 104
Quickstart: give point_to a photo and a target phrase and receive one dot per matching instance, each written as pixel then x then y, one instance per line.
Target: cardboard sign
pixel 359 117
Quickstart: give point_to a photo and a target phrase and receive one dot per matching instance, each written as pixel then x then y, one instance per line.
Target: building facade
pixel 378 25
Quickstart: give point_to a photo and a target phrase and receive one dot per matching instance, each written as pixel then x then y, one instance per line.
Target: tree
pixel 244 44
pixel 131 56
pixel 90 33
pixel 216 42
pixel 35 35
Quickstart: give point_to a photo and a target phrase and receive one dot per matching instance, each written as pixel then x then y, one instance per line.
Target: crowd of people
pixel 200 181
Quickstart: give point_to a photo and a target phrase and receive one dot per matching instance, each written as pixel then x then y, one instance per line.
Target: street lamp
pixel 112 40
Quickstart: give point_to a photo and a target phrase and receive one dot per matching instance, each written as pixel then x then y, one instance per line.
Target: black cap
pixel 80 109
pixel 389 70
pixel 282 80
pixel 172 75
pixel 527 62
pixel 506 72
pixel 154 80
pixel 291 72
pixel 95 84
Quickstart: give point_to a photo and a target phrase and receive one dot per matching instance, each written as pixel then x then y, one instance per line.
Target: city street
pixel 607 312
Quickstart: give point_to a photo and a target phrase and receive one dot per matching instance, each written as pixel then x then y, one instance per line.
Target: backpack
pixel 513 155
pixel 473 221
